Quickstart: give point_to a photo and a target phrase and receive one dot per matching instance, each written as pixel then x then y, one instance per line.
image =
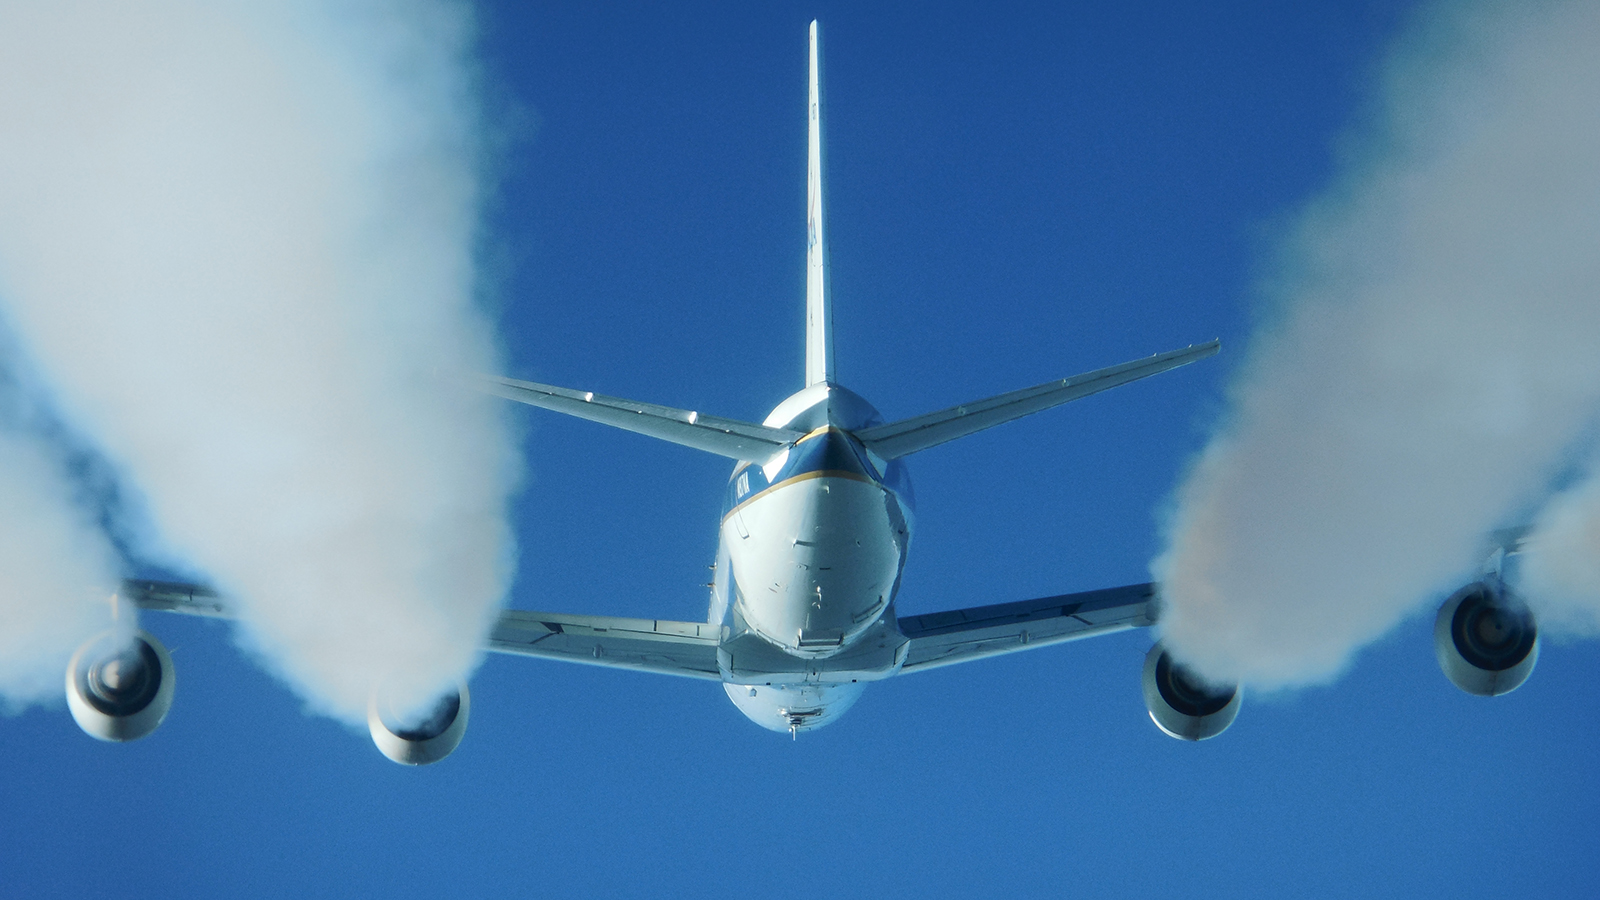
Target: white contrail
pixel 57 572
pixel 1560 572
pixel 238 238
pixel 1430 363
pixel 58 569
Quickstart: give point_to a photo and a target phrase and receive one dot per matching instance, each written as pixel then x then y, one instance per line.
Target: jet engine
pixel 120 688
pixel 1485 639
pixel 418 741
pixel 1181 704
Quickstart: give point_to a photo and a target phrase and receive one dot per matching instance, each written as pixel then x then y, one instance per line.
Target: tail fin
pixel 819 302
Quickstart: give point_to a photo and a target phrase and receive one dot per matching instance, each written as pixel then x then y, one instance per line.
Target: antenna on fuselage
pixel 819 302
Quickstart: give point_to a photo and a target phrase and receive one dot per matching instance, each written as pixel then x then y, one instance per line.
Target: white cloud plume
pixel 57 572
pixel 1560 571
pixel 238 239
pixel 1430 361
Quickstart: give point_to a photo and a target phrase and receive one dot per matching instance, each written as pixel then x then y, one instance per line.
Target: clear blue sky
pixel 1015 195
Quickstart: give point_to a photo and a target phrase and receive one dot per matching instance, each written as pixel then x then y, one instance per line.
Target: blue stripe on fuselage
pixel 828 451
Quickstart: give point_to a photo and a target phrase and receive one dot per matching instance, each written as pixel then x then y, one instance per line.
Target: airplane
pixel 814 537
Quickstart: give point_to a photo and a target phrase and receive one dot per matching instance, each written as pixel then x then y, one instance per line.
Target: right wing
pixel 942 638
pixel 897 439
pixel 651 645
pixel 724 437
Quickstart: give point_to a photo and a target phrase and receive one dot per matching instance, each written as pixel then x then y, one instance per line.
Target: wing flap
pixel 942 638
pixel 712 434
pixel 907 436
pixel 688 649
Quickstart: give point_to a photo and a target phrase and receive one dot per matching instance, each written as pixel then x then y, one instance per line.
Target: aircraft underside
pixel 815 535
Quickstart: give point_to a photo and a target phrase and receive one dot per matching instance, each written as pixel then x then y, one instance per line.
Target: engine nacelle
pixel 119 689
pixel 423 741
pixel 1486 639
pixel 1182 705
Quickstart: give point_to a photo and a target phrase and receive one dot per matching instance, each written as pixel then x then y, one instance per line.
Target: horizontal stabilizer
pixel 724 437
pixel 651 645
pixel 907 436
pixel 939 639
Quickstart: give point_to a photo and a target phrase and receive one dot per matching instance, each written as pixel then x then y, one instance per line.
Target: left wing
pixel 942 638
pixel 651 645
pixel 171 596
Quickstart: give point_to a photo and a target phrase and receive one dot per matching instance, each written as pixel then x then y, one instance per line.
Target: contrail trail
pixel 1429 364
pixel 57 568
pixel 1561 570
pixel 238 239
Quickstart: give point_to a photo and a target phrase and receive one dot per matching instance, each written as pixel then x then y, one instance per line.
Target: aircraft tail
pixel 819 302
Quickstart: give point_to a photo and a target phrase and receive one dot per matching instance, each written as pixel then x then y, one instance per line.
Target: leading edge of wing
pixel 724 437
pixel 941 638
pixel 688 649
pixel 907 436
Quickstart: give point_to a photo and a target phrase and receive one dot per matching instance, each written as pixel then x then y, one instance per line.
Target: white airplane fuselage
pixel 812 546
pixel 816 522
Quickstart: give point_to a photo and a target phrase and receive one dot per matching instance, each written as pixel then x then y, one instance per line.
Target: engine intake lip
pixel 419 742
pixel 1492 633
pixel 1181 704
pixel 119 686
pixel 435 723
pixel 1186 694
pixel 122 683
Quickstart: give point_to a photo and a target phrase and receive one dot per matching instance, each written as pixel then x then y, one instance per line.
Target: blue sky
pixel 1015 195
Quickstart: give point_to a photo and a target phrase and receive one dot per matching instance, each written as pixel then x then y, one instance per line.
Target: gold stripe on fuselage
pixel 815 432
pixel 803 476
pixel 830 473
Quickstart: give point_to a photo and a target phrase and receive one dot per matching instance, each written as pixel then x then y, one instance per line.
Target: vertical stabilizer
pixel 819 302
